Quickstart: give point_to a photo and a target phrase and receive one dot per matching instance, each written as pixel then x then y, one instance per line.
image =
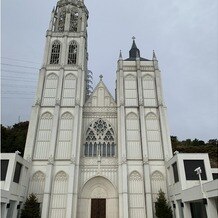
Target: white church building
pixel 93 155
pixel 94 151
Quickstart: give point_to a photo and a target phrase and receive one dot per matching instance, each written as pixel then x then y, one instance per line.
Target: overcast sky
pixel 183 33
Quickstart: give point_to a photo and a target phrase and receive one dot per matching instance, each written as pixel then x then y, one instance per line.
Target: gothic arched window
pixel 100 140
pixel 55 52
pixel 72 53
pixel 74 18
pixel 61 21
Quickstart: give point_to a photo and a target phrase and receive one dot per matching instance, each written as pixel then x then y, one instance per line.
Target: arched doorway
pixel 98 199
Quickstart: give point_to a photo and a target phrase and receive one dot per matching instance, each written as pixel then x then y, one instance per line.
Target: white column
pixel 124 164
pixel 122 140
pixel 46 57
pixel 146 167
pixel 120 191
pixel 47 191
pixel 14 213
pixel 32 132
pixel 54 133
pixel 10 173
pixel 177 208
pixel 3 210
pixel 167 148
pixel 64 51
pixel 77 148
pixel 40 86
pixel 211 208
pixel 67 22
pixel 187 210
pixel 70 191
pixel 56 116
pixel 35 113
pixel 60 86
pixel 120 176
pixel 71 185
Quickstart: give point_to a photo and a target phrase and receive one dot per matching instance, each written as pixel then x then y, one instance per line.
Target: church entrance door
pixel 98 208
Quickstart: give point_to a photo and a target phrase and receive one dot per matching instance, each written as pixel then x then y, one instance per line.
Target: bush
pixel 163 210
pixel 31 208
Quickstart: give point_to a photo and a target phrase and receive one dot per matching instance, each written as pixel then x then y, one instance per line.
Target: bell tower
pixel 144 140
pixel 54 135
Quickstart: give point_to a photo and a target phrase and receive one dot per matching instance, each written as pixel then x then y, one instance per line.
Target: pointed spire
pixel 134 51
pixel 154 56
pixel 53 10
pixel 120 56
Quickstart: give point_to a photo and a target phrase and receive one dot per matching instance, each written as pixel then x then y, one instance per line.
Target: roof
pixel 134 53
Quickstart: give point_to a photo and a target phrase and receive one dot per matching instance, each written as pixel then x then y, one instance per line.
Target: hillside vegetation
pixel 197 146
pixel 13 138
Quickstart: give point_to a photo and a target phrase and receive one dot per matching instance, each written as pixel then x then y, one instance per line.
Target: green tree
pixel 14 138
pixel 31 208
pixel 197 146
pixel 163 210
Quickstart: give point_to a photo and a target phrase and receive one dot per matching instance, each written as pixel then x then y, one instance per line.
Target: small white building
pixel 14 183
pixel 190 196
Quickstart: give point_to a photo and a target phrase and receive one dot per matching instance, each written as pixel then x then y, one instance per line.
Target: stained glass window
pixel 100 140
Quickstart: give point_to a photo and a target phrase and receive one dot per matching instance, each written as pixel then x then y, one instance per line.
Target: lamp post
pixel 199 171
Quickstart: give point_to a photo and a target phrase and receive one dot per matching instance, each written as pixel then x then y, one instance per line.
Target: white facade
pixel 14 184
pixel 93 156
pixel 95 147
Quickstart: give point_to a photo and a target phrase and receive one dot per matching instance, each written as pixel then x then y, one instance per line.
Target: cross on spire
pixel 133 38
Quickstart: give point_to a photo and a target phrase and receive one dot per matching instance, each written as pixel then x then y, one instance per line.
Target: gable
pixel 100 97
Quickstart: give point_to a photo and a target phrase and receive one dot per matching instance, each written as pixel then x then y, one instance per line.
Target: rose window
pixel 100 140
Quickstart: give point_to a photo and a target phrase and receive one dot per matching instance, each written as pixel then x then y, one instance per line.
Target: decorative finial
pixel 101 77
pixel 133 37
pixel 121 56
pixel 154 56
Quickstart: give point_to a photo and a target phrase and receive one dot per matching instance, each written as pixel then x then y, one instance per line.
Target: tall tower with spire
pixel 54 136
pixel 143 135
pixel 94 156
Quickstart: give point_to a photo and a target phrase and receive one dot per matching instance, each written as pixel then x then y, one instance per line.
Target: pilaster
pixel 211 208
pixel 67 22
pixel 35 114
pixel 32 132
pixel 47 49
pixel 47 190
pixel 167 148
pixel 77 162
pixel 60 87
pixel 64 51
pixel 70 190
pixel 124 155
pixel 187 210
pixel 54 131
pixel 41 81
pixel 3 210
